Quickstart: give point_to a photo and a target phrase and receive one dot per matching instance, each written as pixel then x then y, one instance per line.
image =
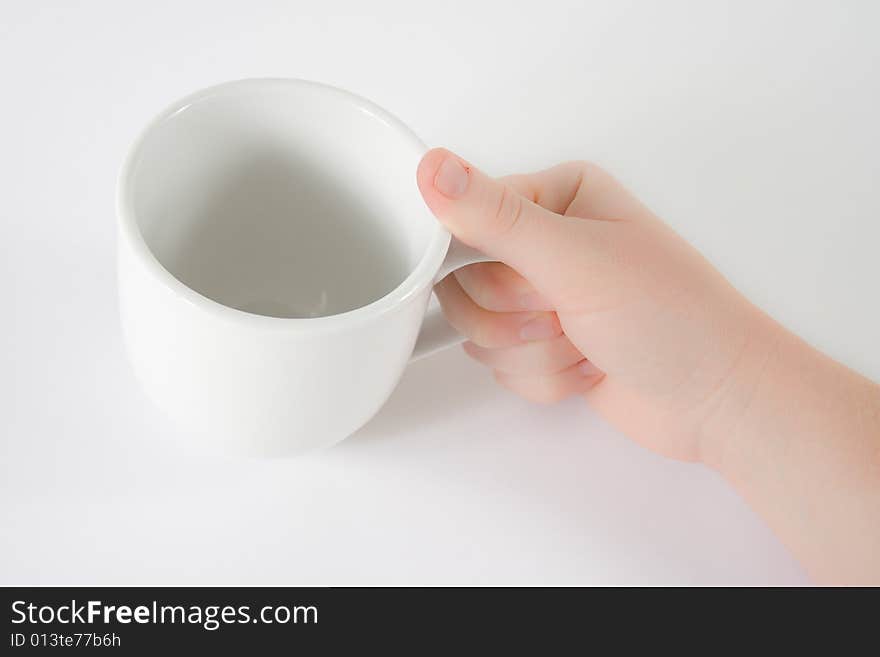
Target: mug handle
pixel 437 333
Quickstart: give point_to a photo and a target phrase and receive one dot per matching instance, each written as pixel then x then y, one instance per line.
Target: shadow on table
pixel 441 385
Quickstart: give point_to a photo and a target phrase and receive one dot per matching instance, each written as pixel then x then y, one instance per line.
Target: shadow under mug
pixel 275 263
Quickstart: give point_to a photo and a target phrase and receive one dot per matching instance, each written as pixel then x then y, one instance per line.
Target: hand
pixel 595 297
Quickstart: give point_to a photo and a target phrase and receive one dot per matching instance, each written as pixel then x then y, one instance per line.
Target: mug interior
pixel 281 198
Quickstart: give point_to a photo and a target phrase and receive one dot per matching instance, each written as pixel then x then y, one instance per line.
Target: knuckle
pixel 484 286
pixel 486 334
pixel 590 174
pixel 507 211
pixel 550 361
pixel 533 389
pixel 586 169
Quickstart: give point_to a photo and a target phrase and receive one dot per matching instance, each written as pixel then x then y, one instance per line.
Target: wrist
pixel 725 429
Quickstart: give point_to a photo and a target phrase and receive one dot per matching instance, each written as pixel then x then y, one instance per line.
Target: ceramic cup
pixel 276 262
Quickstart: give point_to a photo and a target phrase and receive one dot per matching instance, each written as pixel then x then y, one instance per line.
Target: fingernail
pixel 588 369
pixel 452 178
pixel 540 328
pixel 533 301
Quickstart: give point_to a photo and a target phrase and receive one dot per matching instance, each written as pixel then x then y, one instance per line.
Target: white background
pixel 750 126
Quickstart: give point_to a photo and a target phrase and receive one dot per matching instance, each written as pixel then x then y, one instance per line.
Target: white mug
pixel 276 261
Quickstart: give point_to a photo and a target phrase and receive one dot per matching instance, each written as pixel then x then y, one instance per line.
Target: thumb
pixel 492 217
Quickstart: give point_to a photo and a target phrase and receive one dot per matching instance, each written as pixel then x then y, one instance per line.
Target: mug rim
pixel 418 278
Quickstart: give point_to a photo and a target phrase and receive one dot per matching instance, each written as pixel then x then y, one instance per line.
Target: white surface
pixel 750 126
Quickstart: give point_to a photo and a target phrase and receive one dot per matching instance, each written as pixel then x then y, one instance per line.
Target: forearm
pixel 799 437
